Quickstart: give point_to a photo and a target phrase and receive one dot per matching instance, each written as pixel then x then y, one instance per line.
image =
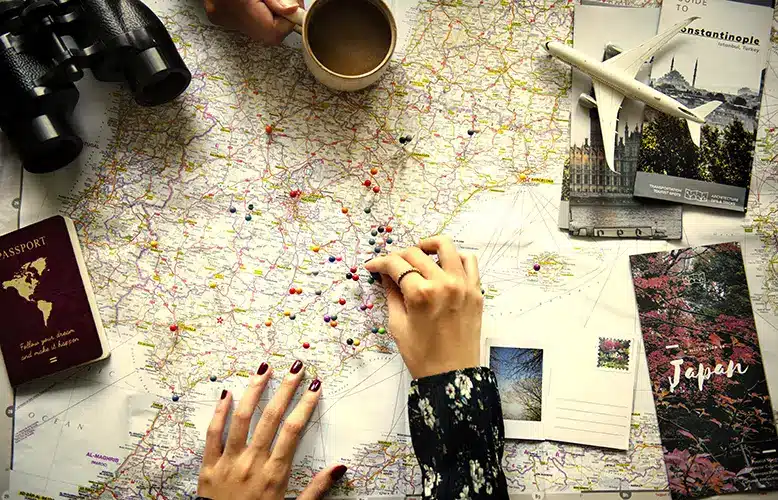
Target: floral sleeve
pixel 457 431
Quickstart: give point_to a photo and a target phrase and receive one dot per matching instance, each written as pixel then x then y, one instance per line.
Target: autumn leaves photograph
pixel 707 378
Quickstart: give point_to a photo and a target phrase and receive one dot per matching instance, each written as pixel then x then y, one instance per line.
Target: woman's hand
pixel 260 19
pixel 253 470
pixel 435 314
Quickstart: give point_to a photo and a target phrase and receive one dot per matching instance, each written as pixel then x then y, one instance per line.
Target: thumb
pixel 394 298
pixel 398 314
pixel 322 482
pixel 282 7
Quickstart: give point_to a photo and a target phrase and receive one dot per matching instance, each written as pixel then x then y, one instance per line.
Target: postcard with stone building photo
pixel 718 62
pixel 596 200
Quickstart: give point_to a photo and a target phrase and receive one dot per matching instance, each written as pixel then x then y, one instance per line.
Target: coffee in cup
pixel 347 44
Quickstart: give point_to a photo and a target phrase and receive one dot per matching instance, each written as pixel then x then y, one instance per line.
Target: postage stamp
pixel 613 353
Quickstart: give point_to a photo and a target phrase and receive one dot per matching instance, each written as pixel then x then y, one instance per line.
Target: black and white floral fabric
pixel 457 430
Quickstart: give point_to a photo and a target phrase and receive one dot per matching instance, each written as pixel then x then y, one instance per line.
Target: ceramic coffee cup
pixel 347 44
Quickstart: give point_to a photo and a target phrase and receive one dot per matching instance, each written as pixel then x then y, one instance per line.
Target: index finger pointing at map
pixel 396 268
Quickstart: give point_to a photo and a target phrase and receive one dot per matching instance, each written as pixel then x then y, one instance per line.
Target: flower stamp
pixel 613 353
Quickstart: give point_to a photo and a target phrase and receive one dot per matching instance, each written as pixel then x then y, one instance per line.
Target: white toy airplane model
pixel 615 78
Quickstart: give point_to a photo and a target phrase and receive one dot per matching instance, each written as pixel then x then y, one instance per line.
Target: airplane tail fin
pixel 695 129
pixel 706 109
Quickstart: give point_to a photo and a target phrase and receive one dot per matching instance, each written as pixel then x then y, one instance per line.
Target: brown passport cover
pixel 62 286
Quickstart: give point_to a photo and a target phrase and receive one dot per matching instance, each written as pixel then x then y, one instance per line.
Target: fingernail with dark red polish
pixel 296 367
pixel 338 472
pixel 224 394
pixel 262 368
pixel 314 385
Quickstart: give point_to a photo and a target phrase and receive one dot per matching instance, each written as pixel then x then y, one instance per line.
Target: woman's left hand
pixel 258 470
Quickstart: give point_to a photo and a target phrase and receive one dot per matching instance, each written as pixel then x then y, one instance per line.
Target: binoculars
pixel 45 46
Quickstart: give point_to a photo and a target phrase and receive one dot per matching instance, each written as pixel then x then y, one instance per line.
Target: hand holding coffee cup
pixel 347 44
pixel 260 19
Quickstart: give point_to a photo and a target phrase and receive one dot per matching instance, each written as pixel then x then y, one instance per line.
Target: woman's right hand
pixel 435 314
pixel 260 19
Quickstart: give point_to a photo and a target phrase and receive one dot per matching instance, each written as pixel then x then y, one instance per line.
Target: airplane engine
pixel 587 101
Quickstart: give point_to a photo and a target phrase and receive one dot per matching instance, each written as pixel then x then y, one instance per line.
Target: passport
pixel 50 318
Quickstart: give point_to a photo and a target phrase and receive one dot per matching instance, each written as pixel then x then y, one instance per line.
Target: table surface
pixel 10 203
pixel 10 200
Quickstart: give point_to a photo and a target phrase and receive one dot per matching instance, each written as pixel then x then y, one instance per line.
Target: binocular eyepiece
pixel 44 47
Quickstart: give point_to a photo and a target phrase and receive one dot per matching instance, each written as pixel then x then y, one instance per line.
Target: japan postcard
pixel 712 402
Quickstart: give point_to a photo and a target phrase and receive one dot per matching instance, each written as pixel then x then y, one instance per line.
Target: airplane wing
pixel 631 60
pixel 608 105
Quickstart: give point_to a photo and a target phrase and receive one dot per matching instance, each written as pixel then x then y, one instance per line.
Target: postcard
pixel 714 410
pixel 577 391
pixel 595 200
pixel 721 57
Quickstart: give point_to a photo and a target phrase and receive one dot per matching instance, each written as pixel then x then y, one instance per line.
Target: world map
pixel 25 282
pixel 213 246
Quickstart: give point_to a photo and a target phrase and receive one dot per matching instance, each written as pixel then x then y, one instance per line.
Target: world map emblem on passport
pixel 25 282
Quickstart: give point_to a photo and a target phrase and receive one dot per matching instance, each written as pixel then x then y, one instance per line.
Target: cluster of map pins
pixel 378 240
pixel 380 237
pixel 369 183
pixel 248 215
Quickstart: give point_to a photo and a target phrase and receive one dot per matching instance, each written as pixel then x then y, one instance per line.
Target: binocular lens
pixel 47 143
pixel 157 76
pixel 44 48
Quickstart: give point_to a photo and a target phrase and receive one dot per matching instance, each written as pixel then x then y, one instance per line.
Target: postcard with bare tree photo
pixel 577 391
